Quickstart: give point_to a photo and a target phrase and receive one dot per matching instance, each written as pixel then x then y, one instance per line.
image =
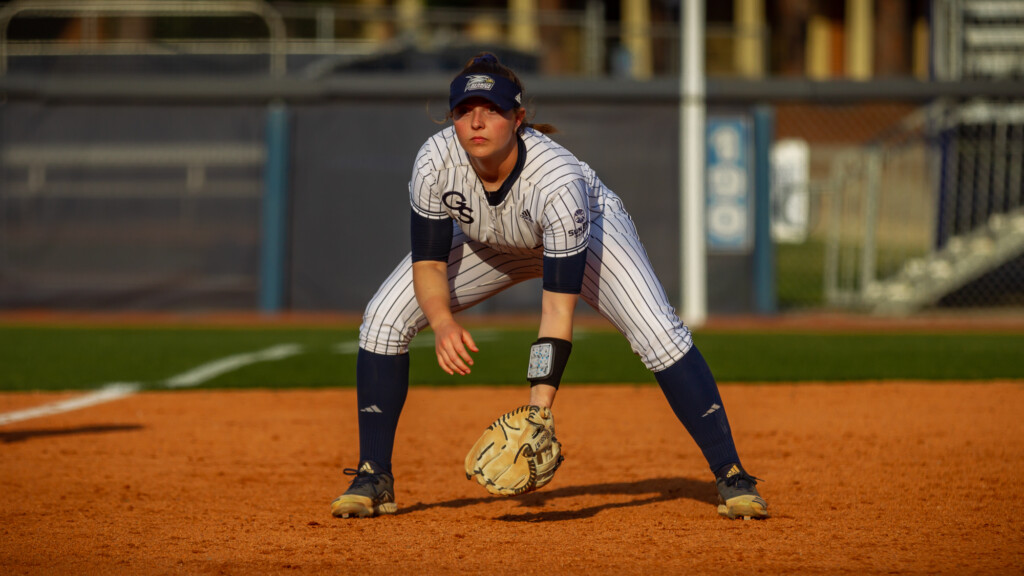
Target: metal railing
pixel 587 43
pixel 193 161
pixel 92 9
pixel 978 39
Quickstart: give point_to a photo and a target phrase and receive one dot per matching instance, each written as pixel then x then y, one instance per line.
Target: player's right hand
pixel 450 343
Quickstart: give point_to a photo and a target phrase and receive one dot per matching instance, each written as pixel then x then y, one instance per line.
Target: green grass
pixel 800 274
pixel 53 358
pixel 800 269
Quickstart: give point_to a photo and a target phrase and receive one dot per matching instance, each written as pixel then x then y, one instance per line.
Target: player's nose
pixel 477 117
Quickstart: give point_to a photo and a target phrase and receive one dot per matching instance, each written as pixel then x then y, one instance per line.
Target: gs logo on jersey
pixel 457 203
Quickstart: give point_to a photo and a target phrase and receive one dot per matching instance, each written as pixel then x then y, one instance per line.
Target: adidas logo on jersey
pixel 525 215
pixel 373 409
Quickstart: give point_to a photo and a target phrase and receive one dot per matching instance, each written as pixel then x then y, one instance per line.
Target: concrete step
pixel 924 281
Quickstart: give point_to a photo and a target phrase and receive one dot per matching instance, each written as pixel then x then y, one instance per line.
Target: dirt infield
pixel 862 479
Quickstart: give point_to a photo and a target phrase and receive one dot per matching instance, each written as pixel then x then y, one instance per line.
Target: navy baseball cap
pixel 497 89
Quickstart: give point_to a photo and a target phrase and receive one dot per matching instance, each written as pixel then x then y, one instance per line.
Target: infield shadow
pixel 652 490
pixel 22 435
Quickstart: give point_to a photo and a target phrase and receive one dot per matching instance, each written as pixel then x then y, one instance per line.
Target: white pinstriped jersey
pixel 494 247
pixel 547 208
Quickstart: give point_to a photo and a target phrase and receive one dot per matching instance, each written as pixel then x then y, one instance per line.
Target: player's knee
pixel 384 332
pixel 385 338
pixel 659 353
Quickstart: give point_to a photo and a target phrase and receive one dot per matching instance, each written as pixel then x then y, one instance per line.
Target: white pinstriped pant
pixel 619 282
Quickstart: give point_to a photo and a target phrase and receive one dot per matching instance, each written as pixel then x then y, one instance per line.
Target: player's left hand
pixel 518 453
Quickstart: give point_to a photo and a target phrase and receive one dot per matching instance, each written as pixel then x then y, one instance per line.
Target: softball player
pixel 495 202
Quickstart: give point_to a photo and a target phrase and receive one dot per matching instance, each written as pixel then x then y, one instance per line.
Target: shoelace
pixel 747 480
pixel 361 477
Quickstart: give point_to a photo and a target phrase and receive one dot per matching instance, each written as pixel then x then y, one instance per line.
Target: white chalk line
pixel 198 375
pixel 118 390
pixel 213 369
pixel 107 393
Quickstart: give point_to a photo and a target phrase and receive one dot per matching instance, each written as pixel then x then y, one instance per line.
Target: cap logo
pixel 479 82
pixel 499 90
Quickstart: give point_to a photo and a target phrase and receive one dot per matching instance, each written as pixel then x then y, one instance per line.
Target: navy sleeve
pixel 431 239
pixel 565 275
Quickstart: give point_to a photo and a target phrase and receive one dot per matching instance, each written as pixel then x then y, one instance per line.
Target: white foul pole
pixel 693 250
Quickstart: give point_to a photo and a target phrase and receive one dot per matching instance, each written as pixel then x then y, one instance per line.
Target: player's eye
pixel 463 109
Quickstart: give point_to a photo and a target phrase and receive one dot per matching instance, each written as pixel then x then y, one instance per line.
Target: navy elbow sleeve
pixel 565 275
pixel 431 239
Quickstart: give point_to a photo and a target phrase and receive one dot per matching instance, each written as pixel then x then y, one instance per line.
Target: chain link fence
pixel 920 208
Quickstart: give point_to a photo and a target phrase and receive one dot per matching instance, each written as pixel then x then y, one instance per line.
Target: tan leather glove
pixel 516 454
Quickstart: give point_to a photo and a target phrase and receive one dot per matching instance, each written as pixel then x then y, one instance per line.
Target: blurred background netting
pixel 138 159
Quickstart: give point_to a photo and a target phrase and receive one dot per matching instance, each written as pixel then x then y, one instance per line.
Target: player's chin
pixel 479 151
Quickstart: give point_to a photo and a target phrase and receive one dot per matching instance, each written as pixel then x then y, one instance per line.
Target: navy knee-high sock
pixel 382 383
pixel 693 395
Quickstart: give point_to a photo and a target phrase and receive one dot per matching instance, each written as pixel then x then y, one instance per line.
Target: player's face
pixel 485 131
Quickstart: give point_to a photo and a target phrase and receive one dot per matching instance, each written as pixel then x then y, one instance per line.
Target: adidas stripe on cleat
pixel 372 493
pixel 738 497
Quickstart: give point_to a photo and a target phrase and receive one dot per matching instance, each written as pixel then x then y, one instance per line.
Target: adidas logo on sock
pixel 373 409
pixel 711 411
